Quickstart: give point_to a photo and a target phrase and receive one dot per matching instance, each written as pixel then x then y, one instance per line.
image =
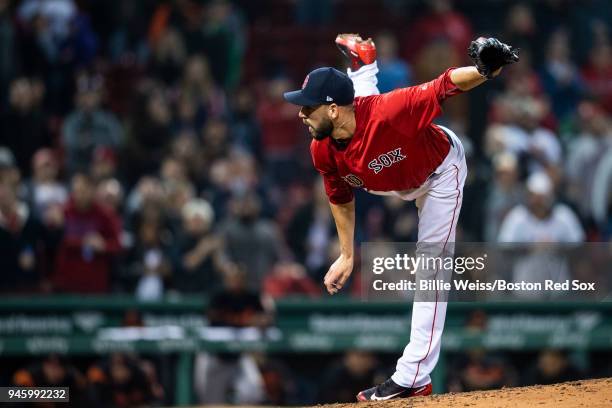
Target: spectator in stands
pixel 315 13
pixel 24 126
pixel 278 380
pixel 7 48
pixel 235 305
pixel 186 149
pixel 551 367
pixel 393 72
pixel 584 154
pixel 54 371
pixel 215 140
pixel 199 86
pixel 188 16
pixel 89 244
pixel 399 220
pixel 148 191
pixel 484 371
pixel 23 240
pixel 104 164
pixel 43 36
pixel 224 42
pixel 198 259
pixel 374 224
pixel 470 226
pixel 560 76
pixel 597 74
pixel 602 195
pixel 109 194
pixel 522 81
pixel 543 221
pixel 311 230
pixel 188 117
pixel 229 377
pixel 289 279
pixel 441 51
pixel 123 381
pixel 147 203
pixel 9 173
pixel 505 193
pixel 126 42
pixel 333 252
pixel 251 241
pixel 214 30
pixel 177 195
pixel 280 132
pixel 148 138
pixel 173 170
pixel 522 29
pixel 234 175
pixel 244 126
pixel 89 126
pixel 148 264
pixel 45 189
pixel 441 22
pixel 168 55
pixel 55 26
pixel 537 148
pixel 178 189
pixel 343 380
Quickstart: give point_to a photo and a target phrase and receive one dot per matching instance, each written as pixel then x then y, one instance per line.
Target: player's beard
pixel 324 130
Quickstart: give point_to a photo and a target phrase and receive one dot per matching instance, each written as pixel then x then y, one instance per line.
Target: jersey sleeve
pixel 338 191
pixel 415 107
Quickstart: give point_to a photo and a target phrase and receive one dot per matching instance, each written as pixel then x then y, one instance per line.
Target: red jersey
pixel 78 270
pixel 395 146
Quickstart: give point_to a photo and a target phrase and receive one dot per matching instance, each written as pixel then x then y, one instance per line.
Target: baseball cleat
pixel 390 390
pixel 360 52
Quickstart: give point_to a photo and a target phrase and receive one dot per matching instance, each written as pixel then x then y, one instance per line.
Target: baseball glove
pixel 490 54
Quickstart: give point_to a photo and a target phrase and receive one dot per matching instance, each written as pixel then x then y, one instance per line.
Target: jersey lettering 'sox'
pixel 386 160
pixel 353 180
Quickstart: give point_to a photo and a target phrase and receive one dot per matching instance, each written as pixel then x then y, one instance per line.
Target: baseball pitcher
pixel 388 144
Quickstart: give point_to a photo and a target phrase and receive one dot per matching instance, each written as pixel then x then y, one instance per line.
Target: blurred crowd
pixel 140 154
pixel 119 380
pixel 145 148
pixel 128 380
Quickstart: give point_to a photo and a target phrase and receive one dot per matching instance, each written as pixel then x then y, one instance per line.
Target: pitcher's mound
pixel 586 393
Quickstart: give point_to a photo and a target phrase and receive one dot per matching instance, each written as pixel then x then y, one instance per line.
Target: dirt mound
pixel 587 393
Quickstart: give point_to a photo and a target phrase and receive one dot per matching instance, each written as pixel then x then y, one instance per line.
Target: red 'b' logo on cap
pixel 305 81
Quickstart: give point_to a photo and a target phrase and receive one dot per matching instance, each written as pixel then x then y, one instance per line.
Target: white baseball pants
pixel 439 202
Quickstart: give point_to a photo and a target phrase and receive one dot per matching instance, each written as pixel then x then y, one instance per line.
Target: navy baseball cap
pixel 323 86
